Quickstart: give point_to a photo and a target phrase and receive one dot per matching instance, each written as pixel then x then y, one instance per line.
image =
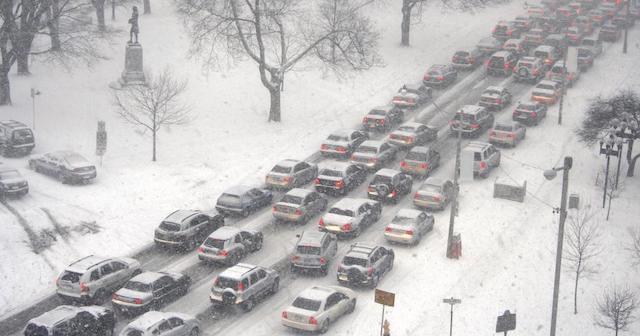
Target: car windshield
pixel 281 170
pixel 341 212
pixel 9 174
pixel 291 199
pixel 504 128
pixel 302 249
pixel 306 304
pixel 76 160
pixel 133 332
pixel 378 112
pixel 72 277
pixel 406 128
pixel 431 188
pixel 526 107
pixel 367 149
pixel 401 220
pixel 464 117
pixel 381 179
pixel 330 172
pixel 223 282
pixel 228 199
pixel 137 286
pixel 352 261
pixel 416 156
pixel 334 137
pixel 546 87
pixel 583 52
pixel 170 226
pixel 215 243
pixel 22 134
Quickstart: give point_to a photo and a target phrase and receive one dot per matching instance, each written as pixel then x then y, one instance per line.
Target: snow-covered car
pixel 299 205
pixel 609 33
pixel 315 308
pixel 343 142
pixel 471 120
pixel 389 185
pixel 585 58
pixel 575 34
pixel 546 92
pixel 15 137
pixel 12 183
pixel 408 226
pixel 485 157
pixel 507 134
pixel 349 216
pixel 420 161
pixel 548 54
pixel 489 45
pixel 66 166
pixel 94 278
pixel 467 59
pixel 413 133
pixel 434 194
pixel 314 251
pixel 559 73
pixel 228 244
pixel 440 75
pixel 243 200
pixel 186 229
pixel 516 46
pixel 412 95
pixel 289 174
pixel 585 23
pixel 244 285
pixel 505 30
pixel 72 320
pixel 364 264
pixel 529 113
pixel 534 37
pixel 530 69
pixel 523 22
pixel 502 63
pixel 148 291
pixel 594 44
pixel 383 118
pixel 155 323
pixel 339 177
pixel 495 98
pixel 373 154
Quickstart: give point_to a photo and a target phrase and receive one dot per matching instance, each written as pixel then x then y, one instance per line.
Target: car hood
pixel 336 219
pixel 15 180
pixel 132 294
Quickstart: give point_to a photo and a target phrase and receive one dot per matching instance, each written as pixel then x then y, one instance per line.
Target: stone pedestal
pixel 133 70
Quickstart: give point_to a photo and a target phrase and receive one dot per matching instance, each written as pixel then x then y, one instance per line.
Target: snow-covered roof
pixel 547 82
pixel 335 165
pixel 288 163
pixel 237 271
pixel 373 143
pixel 179 216
pixel 420 149
pixel 83 264
pixel 409 213
pixel 225 232
pixel 471 109
pixel 350 203
pixel 317 293
pixel 15 125
pixel 55 315
pixel 237 190
pixel 433 181
pixel 412 124
pixel 544 48
pixel 148 320
pixel 494 88
pixel 387 172
pixel 345 132
pixel 501 53
pixel 299 192
pixel 311 238
pixel 148 277
pixel 528 59
pixel 475 145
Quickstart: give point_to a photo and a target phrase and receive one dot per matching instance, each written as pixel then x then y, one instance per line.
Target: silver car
pixel 299 205
pixel 317 307
pixel 349 216
pixel 413 133
pixel 150 290
pixel 343 142
pixel 228 245
pixel 94 278
pixel 314 251
pixel 485 157
pixel 289 174
pixel 66 166
pixel 409 226
pixel 373 154
pixel 434 193
pixel 155 323
pixel 508 134
pixel 72 320
pixel 244 285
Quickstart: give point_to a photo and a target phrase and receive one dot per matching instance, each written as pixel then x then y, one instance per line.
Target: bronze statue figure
pixel 134 25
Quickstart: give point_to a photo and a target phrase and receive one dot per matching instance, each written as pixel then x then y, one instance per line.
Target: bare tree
pixel 154 104
pixel 146 6
pixel 405 26
pixel 615 308
pixel 634 248
pixel 277 35
pixel 582 246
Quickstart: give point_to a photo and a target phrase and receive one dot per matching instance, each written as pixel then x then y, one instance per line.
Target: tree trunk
pixel 113 10
pixel 575 292
pixel 405 26
pixel 100 14
pixel 5 87
pixel 274 108
pixel 154 135
pixel 53 23
pixel 147 6
pixel 23 63
pixel 632 165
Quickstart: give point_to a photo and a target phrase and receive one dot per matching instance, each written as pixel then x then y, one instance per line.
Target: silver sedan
pixel 162 324
pixel 316 307
pixel 408 226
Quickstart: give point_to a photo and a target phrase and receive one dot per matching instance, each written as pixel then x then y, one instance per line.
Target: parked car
pixel 598 17
pixel 186 229
pixel 523 23
pixel 530 69
pixel 383 118
pixel 289 174
pixel 365 264
pixel 529 113
pixel 244 285
pixel 93 278
pixel 317 307
pixel 412 133
pixel 66 166
pixel 489 45
pixel 560 73
pixel 440 75
pixel 585 23
pixel 349 216
pixel 411 96
pixel 228 245
pixel 314 251
pixel 495 98
pixel 507 133
pixel 343 142
pixel 548 54
pixel 609 33
pixel 243 200
pixel 420 161
pixel 149 291
pixel 575 35
pixel 546 92
pixel 299 205
pixel 505 30
pixel 338 178
pixel 471 120
pixel 12 183
pixel 516 46
pixel 585 58
pixel 485 157
pixel 534 37
pixel 594 44
pixel 409 226
pixel 434 194
pixel 389 185
pixel 502 63
pixel 373 154
pixel 467 59
pixel 155 323
pixel 72 321
pixel 15 138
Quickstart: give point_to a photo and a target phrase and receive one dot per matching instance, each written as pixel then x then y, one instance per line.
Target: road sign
pixel 385 298
pixel 506 322
pixel 452 301
pixel 101 139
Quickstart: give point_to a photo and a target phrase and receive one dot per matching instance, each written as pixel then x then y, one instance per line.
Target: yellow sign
pixel 384 298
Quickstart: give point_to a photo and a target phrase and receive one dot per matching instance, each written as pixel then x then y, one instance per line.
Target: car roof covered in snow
pixel 311 238
pixel 13 124
pixel 317 293
pixel 148 277
pixel 494 88
pixel 224 232
pixel 362 250
pixel 236 272
pixel 476 145
pixel 344 132
pixel 409 213
pixel 387 172
pixel 299 192
pixel 238 190
pixel 179 216
pixel 148 320
pixel 433 181
pixel 351 203
pixel 412 124
pixel 373 143
pixel 544 48
pixel 547 82
pixel 420 149
pixel 288 163
pixel 335 165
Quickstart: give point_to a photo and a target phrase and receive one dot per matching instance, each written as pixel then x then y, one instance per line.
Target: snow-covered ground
pixel 509 247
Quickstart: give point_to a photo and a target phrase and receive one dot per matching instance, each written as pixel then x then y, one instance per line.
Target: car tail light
pixel 427 77
pixel 340 184
pixel 535 72
pixel 373 160
pixel 200 249
pixel 483 165
pixel 380 121
pixel 394 194
pixel 324 147
pixel 506 66
pixel 137 301
pixel 498 101
pixel 388 229
pixel 437 198
pixel 424 166
pixel 323 260
pixel 321 222
pixel 370 271
pixel 492 133
pixel 215 281
pixel 416 195
pixel 440 78
pixel 548 61
pixel 534 115
pixel 295 258
pixel 409 232
pixel 346 227
pixel 341 149
pixel 316 181
pixel 312 320
pixel 409 139
pixel 298 212
pixel 274 209
pixel 371 189
pixel 287 179
pixel 56 281
pixel 240 286
pixel 114 296
pixel 365 120
pixel 84 288
pixel 510 135
pixel 493 30
pixel 284 315
pixel 403 163
pixel 474 126
pixel 223 253
pixel 393 136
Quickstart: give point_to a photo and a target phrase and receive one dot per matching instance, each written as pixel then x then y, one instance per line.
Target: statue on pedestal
pixel 135 29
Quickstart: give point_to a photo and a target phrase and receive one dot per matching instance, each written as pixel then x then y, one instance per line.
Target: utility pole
pixel 34 93
pixel 563 85
pixel 456 191
pixel 626 29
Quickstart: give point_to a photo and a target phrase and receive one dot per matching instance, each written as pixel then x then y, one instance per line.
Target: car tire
pixel 191 244
pixel 374 280
pixel 248 305
pixel 324 327
pixel 61 178
pixel 194 332
pixel 258 245
pixel 100 297
pixel 324 270
pixel 352 307
pixel 245 212
pixel 357 231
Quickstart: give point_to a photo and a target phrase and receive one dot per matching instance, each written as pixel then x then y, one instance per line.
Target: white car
pixel 162 324
pixel 408 226
pixel 315 308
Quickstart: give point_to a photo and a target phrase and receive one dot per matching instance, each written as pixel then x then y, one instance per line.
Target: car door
pixel 256 284
pixel 198 227
pixel 384 259
pixel 343 303
pixel 246 239
pixel 109 278
pixel 177 327
pixel 303 169
pixel 164 329
pixel 48 163
pixel 256 198
pixel 364 214
pixel 331 307
pixel 120 272
pixel 162 287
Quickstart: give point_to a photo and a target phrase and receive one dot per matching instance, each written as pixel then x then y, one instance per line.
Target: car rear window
pixel 525 64
pixel 557 70
pixel 406 128
pixel 403 220
pixel 416 156
pixel 526 107
pixel 281 169
pixel 378 112
pixel 22 134
pixel 496 62
pixel 169 226
pixel 546 87
pixel 434 73
pixel 461 54
pixel 229 199
pixel 72 277
pixel 330 172
pixel 223 282
pixel 380 179
pixel 215 243
pixel 352 261
pixel 504 128
pixel 431 188
pixel 334 137
pixel 137 286
pixel 367 149
pixel 306 304
pixel 33 329
pixel 302 249
pixel 342 212
pixel 291 199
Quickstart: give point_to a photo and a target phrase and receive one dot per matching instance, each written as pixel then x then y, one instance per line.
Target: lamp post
pixel 563 84
pixel 628 130
pixel 456 191
pixel 608 148
pixel 626 29
pixel 34 93
pixel 452 302
pixel 549 175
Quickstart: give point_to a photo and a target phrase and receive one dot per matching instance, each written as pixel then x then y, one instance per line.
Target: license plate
pixel 343 277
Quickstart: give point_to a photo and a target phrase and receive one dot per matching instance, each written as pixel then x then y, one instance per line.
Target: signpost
pixel 451 302
pixel 506 322
pixel 101 140
pixel 385 299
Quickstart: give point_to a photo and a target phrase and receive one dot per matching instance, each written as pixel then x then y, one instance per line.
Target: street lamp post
pixel 549 175
pixel 456 191
pixel 626 29
pixel 452 302
pixel 34 93
pixel 625 129
pixel 608 148
pixel 563 85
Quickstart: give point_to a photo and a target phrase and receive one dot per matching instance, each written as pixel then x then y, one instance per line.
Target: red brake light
pixel 324 147
pixel 403 164
pixel 492 133
pixel 388 229
pixel 323 260
pixel 316 181
pixel 287 179
pixel 321 222
pixel 223 253
pixel 394 194
pixel 380 121
pixel 215 281
pixel 274 209
pixel 483 165
pixel 346 227
pixel 114 296
pixel 498 101
pixel 424 166
pixel 313 321
pixel 200 249
pixel 440 78
pixel 240 286
pixel 137 301
pixel 340 184
pixel 298 212
pixel 84 288
pixel 534 114
pixel 284 315
pixel 474 126
pixel 409 139
pixel 409 232
pixel 364 120
pixel 341 149
pixel 294 258
pixel 437 198
pixel 370 271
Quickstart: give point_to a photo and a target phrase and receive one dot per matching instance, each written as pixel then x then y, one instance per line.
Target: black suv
pixel 440 75
pixel 12 183
pixel 471 120
pixel 389 184
pixel 338 178
pixel 15 137
pixel 364 264
pixel 73 321
pixel 187 228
